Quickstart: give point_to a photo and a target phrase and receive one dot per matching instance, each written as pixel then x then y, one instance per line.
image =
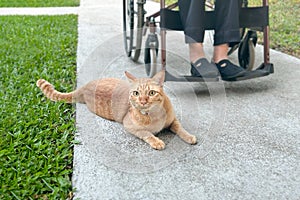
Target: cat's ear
pixel 130 77
pixel 160 77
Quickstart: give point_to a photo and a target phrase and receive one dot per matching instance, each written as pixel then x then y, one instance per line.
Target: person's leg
pixel 220 52
pixel 227 30
pixel 227 33
pixel 191 13
pixel 192 17
pixel 196 51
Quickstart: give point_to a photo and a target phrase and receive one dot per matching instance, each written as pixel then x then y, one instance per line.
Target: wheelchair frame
pixel 255 18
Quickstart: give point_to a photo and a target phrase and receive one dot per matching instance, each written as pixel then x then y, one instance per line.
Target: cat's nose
pixel 143 100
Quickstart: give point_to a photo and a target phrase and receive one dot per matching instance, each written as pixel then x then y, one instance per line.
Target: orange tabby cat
pixel 140 104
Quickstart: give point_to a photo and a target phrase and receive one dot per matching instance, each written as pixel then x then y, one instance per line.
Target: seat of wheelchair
pixel 261 71
pixel 249 17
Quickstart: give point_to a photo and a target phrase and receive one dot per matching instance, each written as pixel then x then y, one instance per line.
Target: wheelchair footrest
pixel 170 77
pixel 261 71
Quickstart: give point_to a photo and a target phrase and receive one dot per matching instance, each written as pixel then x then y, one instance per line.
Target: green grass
pixel 38 3
pixel 284 25
pixel 36 145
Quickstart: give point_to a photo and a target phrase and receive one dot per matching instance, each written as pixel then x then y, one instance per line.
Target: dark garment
pixel 226 21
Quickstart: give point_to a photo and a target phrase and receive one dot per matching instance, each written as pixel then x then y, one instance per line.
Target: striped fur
pixel 54 95
pixel 140 104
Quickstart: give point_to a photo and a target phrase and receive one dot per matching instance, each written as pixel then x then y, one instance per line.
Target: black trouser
pixel 226 21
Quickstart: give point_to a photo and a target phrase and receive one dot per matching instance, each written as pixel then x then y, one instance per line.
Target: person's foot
pixel 229 70
pixel 202 68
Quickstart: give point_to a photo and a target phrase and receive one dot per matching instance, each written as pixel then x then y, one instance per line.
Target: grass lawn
pixel 37 135
pixel 38 3
pixel 284 25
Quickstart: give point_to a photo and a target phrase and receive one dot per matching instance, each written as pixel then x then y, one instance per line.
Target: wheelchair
pixel 136 24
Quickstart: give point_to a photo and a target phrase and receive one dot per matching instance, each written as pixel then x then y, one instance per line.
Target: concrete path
pixel 248 131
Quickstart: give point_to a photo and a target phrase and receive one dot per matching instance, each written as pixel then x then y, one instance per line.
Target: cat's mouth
pixel 144 107
pixel 140 107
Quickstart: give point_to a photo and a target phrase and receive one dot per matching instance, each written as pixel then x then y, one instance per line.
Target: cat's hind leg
pixel 182 133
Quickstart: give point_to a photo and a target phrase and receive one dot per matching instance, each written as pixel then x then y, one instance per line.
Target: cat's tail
pixel 54 95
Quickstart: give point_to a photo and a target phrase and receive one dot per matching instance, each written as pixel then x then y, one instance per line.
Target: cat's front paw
pixel 159 145
pixel 191 139
pixel 156 143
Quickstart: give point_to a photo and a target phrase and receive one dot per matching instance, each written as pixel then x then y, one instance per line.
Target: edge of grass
pixel 39 3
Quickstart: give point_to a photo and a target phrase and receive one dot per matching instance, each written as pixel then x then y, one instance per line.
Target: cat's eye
pixel 152 92
pixel 135 93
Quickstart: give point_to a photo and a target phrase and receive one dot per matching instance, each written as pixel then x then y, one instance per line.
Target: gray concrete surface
pixel 248 131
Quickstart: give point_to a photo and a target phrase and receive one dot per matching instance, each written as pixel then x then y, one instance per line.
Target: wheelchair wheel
pixel 246 52
pixel 150 55
pixel 133 13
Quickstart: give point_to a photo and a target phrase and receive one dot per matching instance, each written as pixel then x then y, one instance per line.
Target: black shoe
pixel 202 68
pixel 228 70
